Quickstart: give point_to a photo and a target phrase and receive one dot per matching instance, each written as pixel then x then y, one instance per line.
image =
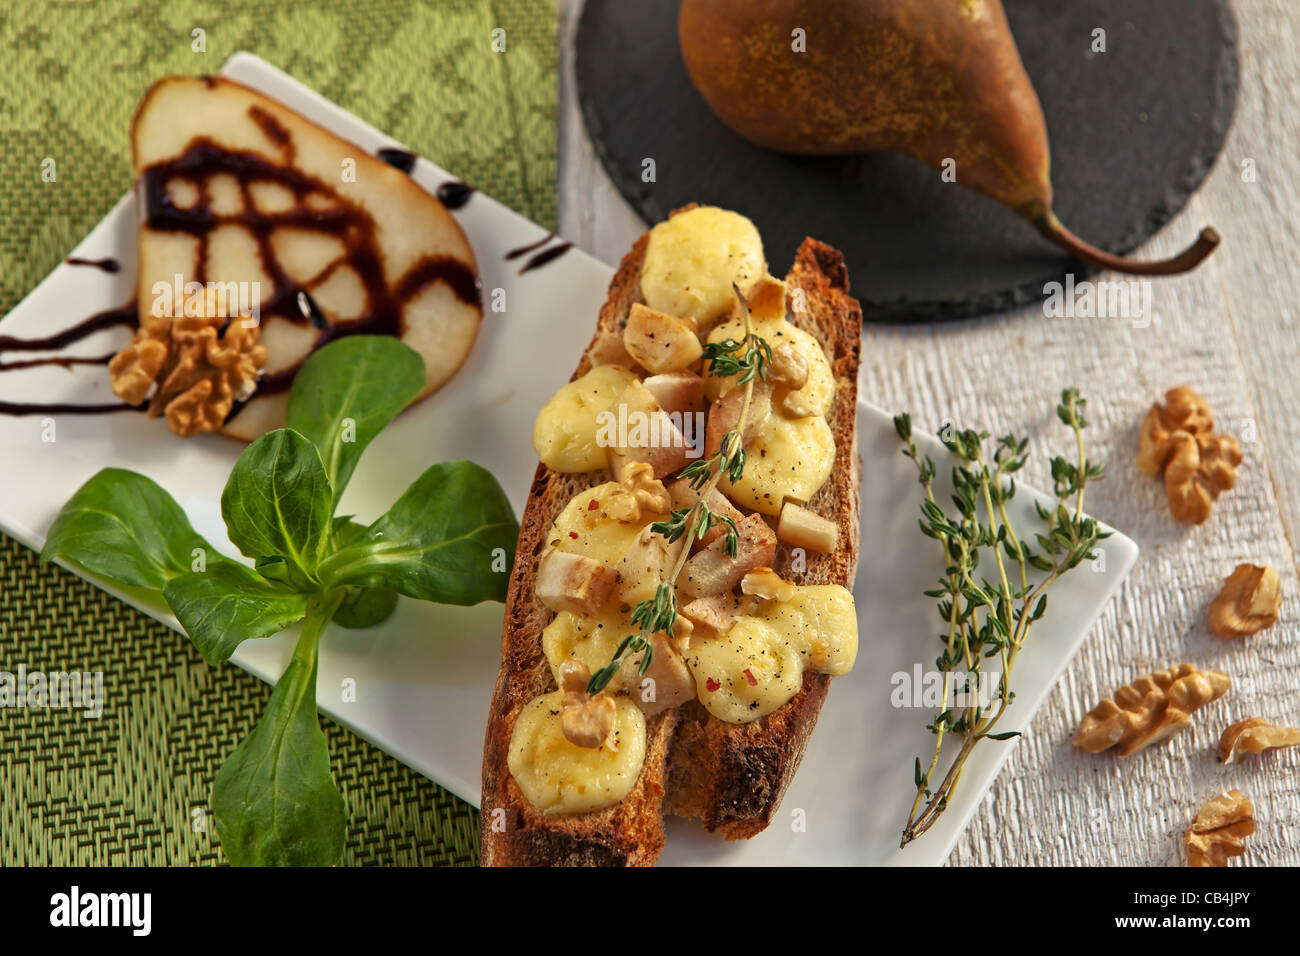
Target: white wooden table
pixel 1229 330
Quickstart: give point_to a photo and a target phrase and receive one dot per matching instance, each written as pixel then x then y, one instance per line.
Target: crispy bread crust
pixel 729 776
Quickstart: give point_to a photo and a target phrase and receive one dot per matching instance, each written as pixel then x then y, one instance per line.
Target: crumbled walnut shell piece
pixel 789 368
pixel 574 675
pixel 1248 603
pixel 1215 835
pixel 589 721
pixel 133 370
pixel 1149 710
pixel 1178 440
pixel 1253 736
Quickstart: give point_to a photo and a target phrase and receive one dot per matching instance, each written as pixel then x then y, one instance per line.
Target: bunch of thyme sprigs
pixel 749 359
pixel 986 619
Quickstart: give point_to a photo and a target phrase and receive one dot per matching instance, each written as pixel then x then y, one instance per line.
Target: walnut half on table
pixel 1177 440
pixel 196 367
pixel 1149 710
pixel 1248 602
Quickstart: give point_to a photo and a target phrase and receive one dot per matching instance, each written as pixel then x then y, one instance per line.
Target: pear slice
pixel 234 187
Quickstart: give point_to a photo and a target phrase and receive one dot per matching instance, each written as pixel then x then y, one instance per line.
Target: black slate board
pixel 1133 132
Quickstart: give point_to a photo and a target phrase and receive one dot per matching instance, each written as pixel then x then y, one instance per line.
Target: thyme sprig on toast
pixel 749 359
pixel 676 526
pixel 987 619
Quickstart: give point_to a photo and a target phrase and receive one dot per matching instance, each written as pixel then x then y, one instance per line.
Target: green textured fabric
pixel 128 788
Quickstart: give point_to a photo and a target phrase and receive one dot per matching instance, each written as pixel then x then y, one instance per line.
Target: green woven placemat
pixel 127 788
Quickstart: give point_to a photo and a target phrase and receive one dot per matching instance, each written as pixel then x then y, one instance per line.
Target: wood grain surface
pixel 1229 330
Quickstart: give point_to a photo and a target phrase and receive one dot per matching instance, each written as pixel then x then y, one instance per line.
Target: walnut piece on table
pixel 1254 735
pixel 1248 602
pixel 1149 710
pixel 1177 440
pixel 1215 835
pixel 196 366
pixel 1184 411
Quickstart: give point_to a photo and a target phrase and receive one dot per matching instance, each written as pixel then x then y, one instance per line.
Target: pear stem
pixel 1185 261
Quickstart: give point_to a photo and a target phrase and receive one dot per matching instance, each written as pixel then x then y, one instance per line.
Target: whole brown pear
pixel 938 80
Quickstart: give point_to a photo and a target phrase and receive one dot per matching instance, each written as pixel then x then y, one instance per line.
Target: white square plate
pixel 424 678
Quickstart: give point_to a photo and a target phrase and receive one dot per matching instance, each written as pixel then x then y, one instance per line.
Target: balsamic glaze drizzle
pixel 541 258
pixel 107 264
pixel 522 250
pixel 398 158
pixel 67 361
pixel 454 194
pixel 545 256
pixel 126 316
pixel 64 408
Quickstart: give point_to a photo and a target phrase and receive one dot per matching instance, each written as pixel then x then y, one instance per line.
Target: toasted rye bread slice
pixel 731 777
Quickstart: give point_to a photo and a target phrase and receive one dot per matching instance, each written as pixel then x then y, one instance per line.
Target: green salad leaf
pixel 381 377
pixel 121 525
pixel 433 543
pixel 362 607
pixel 224 606
pixel 274 799
pixel 449 538
pixel 278 501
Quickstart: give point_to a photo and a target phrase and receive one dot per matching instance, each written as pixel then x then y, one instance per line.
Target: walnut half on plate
pixel 201 364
